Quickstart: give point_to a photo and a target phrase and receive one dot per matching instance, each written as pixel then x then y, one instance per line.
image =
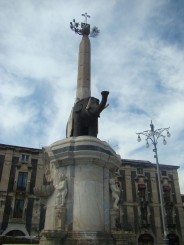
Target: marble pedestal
pixel 60 218
pixel 114 216
pixel 86 162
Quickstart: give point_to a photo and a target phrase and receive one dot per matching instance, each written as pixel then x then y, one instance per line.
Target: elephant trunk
pixel 103 102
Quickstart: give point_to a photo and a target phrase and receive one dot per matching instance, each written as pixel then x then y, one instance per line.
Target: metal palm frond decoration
pixel 94 32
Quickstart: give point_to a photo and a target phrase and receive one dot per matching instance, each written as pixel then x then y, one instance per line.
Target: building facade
pixel 21 169
pixel 140 202
pixel 22 213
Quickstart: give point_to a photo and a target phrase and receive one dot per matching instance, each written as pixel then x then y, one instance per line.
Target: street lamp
pixel 153 135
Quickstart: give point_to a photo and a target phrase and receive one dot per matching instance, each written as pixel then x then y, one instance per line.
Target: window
pixel 24 158
pixel 164 173
pixel 22 181
pixel 167 196
pixel 140 171
pixel 18 208
pixel 144 214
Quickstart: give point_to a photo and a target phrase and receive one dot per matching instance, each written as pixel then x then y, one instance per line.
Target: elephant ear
pixel 78 107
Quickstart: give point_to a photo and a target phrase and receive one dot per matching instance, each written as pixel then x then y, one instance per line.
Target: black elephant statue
pixel 85 115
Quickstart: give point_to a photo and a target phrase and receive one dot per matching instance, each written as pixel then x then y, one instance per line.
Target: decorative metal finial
pixel 84 28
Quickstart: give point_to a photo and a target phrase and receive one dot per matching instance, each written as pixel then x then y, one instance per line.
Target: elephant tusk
pixel 88 105
pixel 106 106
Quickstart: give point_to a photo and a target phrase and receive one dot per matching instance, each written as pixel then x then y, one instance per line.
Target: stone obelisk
pixel 83 89
pixel 84 69
pixel 84 60
pixel 78 208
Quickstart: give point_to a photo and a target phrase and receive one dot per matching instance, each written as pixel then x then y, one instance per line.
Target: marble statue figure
pixel 115 192
pixel 62 190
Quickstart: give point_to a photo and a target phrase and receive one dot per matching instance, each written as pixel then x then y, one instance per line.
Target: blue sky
pixel 138 57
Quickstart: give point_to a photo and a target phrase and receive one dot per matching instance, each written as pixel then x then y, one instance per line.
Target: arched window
pixel 145 239
pixel 15 233
pixel 173 239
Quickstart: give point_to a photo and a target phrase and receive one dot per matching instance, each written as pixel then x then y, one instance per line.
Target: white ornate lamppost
pixel 153 135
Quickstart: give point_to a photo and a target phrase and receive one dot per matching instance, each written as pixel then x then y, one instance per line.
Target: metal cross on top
pixel 86 16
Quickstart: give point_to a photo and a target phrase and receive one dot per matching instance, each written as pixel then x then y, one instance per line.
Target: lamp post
pixel 153 135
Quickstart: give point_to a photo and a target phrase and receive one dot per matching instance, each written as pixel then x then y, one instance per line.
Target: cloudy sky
pixel 138 57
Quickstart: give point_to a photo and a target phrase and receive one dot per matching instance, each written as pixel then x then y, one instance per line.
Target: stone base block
pixel 75 238
pixel 60 216
pixel 89 238
pixel 114 214
pixel 124 238
pixel 52 237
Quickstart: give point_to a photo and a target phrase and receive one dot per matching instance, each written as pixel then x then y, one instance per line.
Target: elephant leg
pixel 93 128
pixel 79 128
pixel 77 131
